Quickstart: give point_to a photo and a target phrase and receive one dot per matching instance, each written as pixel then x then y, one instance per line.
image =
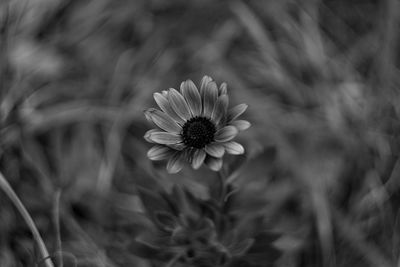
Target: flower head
pixel 195 126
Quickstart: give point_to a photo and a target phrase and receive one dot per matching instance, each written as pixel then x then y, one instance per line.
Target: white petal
pixel 176 162
pixel 223 89
pixel 214 164
pixel 163 103
pixel 148 133
pixel 209 98
pixel 159 152
pixel 236 111
pixel 198 158
pixel 234 148
pixel 241 125
pixel 164 138
pixel 215 149
pixel 226 134
pixel 164 93
pixel 179 104
pixel 204 81
pixel 163 121
pixel 177 146
pixel 192 96
pixel 220 109
pixel 147 116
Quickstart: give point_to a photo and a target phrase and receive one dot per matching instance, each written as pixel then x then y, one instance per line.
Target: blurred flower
pixel 195 126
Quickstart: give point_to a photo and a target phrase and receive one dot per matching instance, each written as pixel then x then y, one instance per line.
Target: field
pixel 317 185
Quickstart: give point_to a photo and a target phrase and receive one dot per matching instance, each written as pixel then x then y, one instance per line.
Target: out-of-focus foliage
pixel 188 231
pixel 321 79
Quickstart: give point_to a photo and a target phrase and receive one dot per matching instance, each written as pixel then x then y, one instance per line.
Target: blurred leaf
pixel 240 248
pixel 262 253
pixel 165 221
pixel 148 251
pixel 179 196
pixel 152 201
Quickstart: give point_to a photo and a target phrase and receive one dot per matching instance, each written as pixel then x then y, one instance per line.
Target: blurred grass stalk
pixel 5 186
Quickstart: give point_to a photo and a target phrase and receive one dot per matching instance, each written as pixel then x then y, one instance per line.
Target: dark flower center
pixel 198 132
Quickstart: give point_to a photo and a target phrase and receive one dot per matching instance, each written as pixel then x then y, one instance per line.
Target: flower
pixel 194 126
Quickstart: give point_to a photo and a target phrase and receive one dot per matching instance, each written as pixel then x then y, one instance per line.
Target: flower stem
pixel 5 186
pixel 223 186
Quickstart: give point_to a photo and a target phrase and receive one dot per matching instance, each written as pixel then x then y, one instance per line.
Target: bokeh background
pixel 321 79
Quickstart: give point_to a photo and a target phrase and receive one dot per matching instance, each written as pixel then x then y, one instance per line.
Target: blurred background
pixel 321 79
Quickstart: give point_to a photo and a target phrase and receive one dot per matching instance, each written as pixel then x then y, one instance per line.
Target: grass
pixel 5 186
pixel 322 156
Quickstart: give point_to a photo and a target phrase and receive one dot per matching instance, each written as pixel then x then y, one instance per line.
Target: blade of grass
pixel 56 218
pixel 111 156
pixel 257 32
pixel 5 186
pixel 356 238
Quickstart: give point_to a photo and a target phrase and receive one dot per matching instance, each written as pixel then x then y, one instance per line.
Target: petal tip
pixel 241 125
pixel 156 96
pixel 241 151
pixel 172 171
pixel 198 158
pixel 147 135
pixel 196 167
pixel 234 148
pixel 214 164
pixel 216 167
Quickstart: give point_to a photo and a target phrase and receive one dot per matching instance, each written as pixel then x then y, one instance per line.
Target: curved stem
pixel 28 219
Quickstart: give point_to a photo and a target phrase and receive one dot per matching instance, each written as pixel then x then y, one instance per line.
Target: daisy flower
pixel 194 126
